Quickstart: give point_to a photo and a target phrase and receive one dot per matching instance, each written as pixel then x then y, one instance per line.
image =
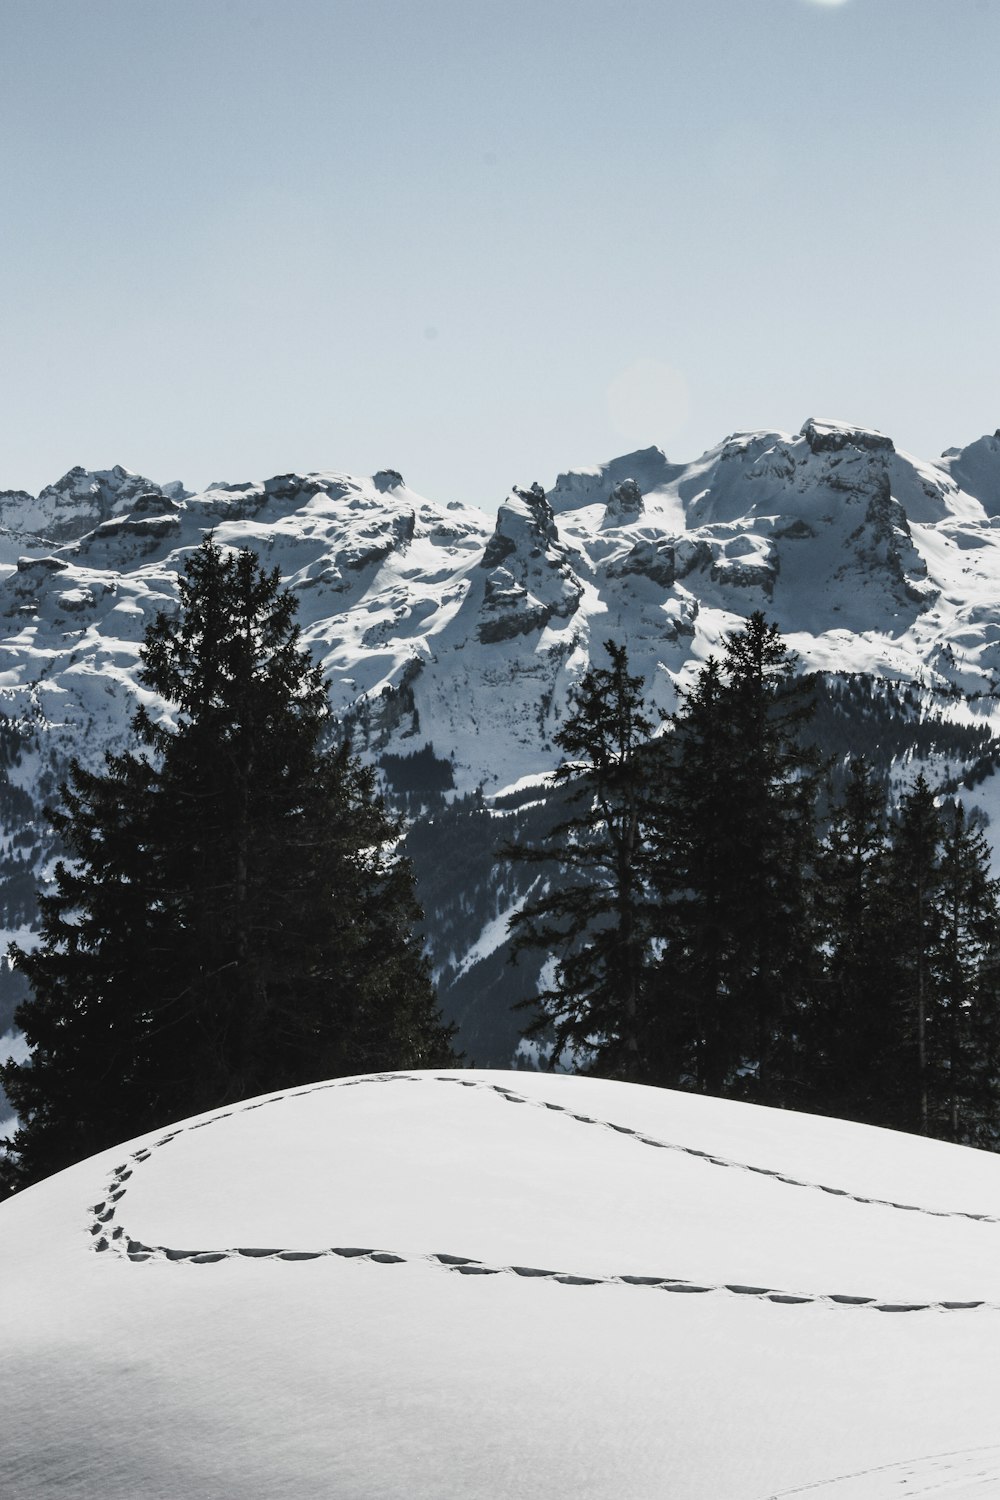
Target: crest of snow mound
pixel 374 1137
pixel 365 1287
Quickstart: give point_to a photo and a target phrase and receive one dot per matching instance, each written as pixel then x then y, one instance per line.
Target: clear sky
pixel 480 241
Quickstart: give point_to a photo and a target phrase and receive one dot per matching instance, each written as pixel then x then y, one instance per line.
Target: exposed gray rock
pixel 833 437
pixel 625 501
pixel 530 579
pixel 387 479
pixel 651 559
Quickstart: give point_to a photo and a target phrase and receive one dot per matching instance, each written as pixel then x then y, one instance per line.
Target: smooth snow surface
pixel 477 1284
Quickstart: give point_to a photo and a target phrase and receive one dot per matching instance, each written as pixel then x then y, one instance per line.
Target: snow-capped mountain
pixel 436 626
pixel 459 635
pixel 463 1285
pixel 77 502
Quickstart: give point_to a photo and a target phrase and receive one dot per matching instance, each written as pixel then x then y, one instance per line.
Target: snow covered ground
pixel 478 1284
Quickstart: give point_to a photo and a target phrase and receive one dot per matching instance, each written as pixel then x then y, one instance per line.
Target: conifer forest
pixel 735 916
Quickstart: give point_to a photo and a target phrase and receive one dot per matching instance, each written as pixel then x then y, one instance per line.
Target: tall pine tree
pixel 856 1028
pixel 591 913
pixel 698 1028
pixel 917 928
pixel 734 841
pixel 967 1020
pixel 230 917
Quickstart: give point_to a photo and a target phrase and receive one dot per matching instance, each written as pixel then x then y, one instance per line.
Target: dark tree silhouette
pixel 590 913
pixel 230 917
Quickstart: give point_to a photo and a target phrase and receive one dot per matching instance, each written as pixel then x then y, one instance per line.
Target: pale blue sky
pixel 480 242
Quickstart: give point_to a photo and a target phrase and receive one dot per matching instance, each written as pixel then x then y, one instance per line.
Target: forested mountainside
pixel 451 640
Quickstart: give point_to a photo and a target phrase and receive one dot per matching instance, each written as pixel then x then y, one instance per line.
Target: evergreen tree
pixel 907 1029
pixel 698 1028
pixel 917 922
pixel 968 987
pixel 230 917
pixel 591 916
pixel 735 846
pixel 854 1035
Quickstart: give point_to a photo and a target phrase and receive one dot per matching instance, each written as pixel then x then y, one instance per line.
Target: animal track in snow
pixel 965 1472
pixel 109 1236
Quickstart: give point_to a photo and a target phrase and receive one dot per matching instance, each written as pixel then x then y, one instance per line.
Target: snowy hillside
pixel 457 637
pixel 483 1284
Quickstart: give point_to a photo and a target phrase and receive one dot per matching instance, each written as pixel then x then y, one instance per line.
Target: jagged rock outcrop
pixel 529 577
pixel 744 564
pixel 624 502
pixel 655 560
pixel 387 479
pixel 833 437
pixel 885 542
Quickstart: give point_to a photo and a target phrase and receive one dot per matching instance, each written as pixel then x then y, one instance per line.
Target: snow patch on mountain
pixel 648 469
pixel 976 470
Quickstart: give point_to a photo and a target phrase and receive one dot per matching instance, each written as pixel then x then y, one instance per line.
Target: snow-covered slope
pixel 479 1284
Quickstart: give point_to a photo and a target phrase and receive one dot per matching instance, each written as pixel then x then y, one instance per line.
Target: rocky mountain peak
pixel 74 504
pixel 976 469
pixel 530 578
pixel 647 468
pixel 825 436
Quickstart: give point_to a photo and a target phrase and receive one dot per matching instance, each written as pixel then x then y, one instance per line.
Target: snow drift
pixel 482 1284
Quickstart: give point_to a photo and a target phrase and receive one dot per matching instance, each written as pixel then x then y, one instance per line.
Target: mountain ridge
pixel 432 624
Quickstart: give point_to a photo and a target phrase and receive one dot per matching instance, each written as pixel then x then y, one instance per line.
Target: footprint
pixel 104 1212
